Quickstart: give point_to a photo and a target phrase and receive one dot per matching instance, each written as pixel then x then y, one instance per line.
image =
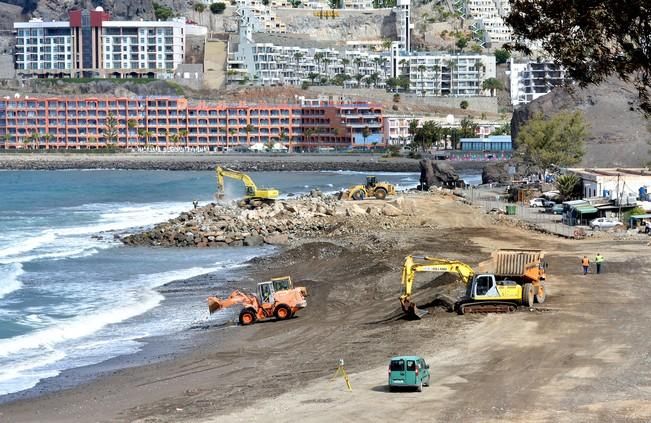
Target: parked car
pixel 558 209
pixel 604 223
pixel 408 371
pixel 537 202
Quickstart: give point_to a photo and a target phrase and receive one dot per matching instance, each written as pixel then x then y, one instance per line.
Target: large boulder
pixel 433 173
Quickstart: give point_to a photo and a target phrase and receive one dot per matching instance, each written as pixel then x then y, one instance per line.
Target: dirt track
pixel 584 358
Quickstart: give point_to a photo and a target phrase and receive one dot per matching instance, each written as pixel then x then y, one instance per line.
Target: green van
pixel 408 371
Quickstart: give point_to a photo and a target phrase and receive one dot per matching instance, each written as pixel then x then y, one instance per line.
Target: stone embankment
pixel 208 161
pixel 281 223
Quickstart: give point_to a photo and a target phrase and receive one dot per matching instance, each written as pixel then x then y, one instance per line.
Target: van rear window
pixel 397 365
pixel 411 365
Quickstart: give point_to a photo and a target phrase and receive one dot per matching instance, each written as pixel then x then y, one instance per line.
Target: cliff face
pixel 619 134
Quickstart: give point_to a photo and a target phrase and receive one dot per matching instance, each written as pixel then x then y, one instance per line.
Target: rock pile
pixel 215 225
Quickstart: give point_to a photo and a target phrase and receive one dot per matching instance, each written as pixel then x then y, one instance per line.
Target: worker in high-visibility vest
pixel 585 262
pixel 599 259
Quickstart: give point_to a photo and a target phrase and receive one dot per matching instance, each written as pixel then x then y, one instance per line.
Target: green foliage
pixel 110 131
pixel 553 142
pixel 199 7
pixel 162 12
pixel 627 216
pixel 464 104
pixel 503 130
pixel 427 135
pixel 305 85
pixel 218 8
pixel 396 98
pixel 592 39
pixel 475 48
pixel 569 186
pixel 492 85
pixel 462 42
pixel 502 56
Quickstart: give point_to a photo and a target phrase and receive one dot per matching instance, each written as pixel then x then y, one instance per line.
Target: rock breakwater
pixel 280 223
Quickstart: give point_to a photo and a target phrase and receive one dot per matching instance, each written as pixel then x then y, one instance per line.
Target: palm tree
pixel 403 66
pixel 248 129
pixel 366 132
pixel 131 124
pixel 174 139
pixel 148 135
pixel 326 62
pixel 345 62
pixel 318 57
pixel 377 61
pixel 386 43
pixel 34 138
pixel 492 85
pixel 47 138
pixel 141 134
pixel 358 62
pixel 183 135
pixel 308 135
pixel 312 76
pixel 421 70
pixel 284 138
pixel 7 138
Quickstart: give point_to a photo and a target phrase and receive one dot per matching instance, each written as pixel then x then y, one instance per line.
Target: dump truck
pixel 373 188
pixel 253 197
pixel 511 278
pixel 276 298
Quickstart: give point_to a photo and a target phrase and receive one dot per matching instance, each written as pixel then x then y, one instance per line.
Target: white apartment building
pixel 259 17
pixel 490 15
pixel 531 80
pixel 142 47
pixel 444 74
pixel 396 127
pixel 358 4
pixel 268 59
pixel 42 47
pixel 90 44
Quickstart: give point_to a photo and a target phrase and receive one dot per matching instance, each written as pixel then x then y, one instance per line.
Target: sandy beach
pixel 581 357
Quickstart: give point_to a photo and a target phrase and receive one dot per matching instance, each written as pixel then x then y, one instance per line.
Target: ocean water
pixel 71 295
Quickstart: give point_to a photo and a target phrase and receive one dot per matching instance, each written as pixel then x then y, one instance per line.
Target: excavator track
pixel 486 307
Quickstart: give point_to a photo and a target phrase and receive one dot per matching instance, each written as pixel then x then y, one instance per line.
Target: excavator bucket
pixel 413 312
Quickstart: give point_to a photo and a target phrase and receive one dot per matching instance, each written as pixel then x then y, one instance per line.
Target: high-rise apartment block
pixel 90 44
pixel 534 79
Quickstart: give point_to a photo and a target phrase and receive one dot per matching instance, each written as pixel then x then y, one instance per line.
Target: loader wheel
pixel 247 317
pixel 527 295
pixel 283 312
pixel 541 294
pixel 380 194
pixel 358 195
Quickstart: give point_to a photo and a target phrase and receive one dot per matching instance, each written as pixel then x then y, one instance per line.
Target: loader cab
pixel 266 292
pixel 371 181
pixel 282 284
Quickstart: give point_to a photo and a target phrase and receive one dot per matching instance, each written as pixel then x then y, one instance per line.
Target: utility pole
pixel 619 199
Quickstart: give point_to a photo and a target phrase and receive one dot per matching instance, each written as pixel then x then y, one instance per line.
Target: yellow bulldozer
pixel 253 197
pixel 373 188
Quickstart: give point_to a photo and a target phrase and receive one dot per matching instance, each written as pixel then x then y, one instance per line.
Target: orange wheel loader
pixel 276 298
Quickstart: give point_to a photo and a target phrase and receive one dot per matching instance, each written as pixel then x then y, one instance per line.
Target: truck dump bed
pixel 512 262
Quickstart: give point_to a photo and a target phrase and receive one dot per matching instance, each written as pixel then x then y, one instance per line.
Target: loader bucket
pixel 214 304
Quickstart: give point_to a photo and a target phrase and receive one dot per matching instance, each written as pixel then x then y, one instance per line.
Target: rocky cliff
pixel 619 133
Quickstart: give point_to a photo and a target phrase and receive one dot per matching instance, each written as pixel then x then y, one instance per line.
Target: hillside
pixel 619 134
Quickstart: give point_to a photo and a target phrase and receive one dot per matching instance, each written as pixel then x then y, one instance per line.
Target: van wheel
pixel 420 387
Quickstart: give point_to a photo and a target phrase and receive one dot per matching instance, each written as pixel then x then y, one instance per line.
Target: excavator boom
pixel 416 264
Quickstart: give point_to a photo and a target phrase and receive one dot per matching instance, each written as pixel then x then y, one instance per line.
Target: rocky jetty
pixel 280 223
pixel 438 174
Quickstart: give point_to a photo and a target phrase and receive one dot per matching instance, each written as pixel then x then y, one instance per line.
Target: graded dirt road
pixel 584 355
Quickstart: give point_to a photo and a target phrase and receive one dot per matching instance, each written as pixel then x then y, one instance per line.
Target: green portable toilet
pixel 510 209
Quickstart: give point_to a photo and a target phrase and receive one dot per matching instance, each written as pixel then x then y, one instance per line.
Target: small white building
pixel 621 185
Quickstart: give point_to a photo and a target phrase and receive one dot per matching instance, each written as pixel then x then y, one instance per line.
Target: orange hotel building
pixel 81 122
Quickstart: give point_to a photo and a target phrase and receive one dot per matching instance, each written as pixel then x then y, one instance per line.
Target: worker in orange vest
pixel 585 262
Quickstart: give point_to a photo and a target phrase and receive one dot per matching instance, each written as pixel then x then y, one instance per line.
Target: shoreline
pixel 208 161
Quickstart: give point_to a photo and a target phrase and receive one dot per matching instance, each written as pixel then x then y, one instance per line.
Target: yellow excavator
pixel 253 197
pixel 516 278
